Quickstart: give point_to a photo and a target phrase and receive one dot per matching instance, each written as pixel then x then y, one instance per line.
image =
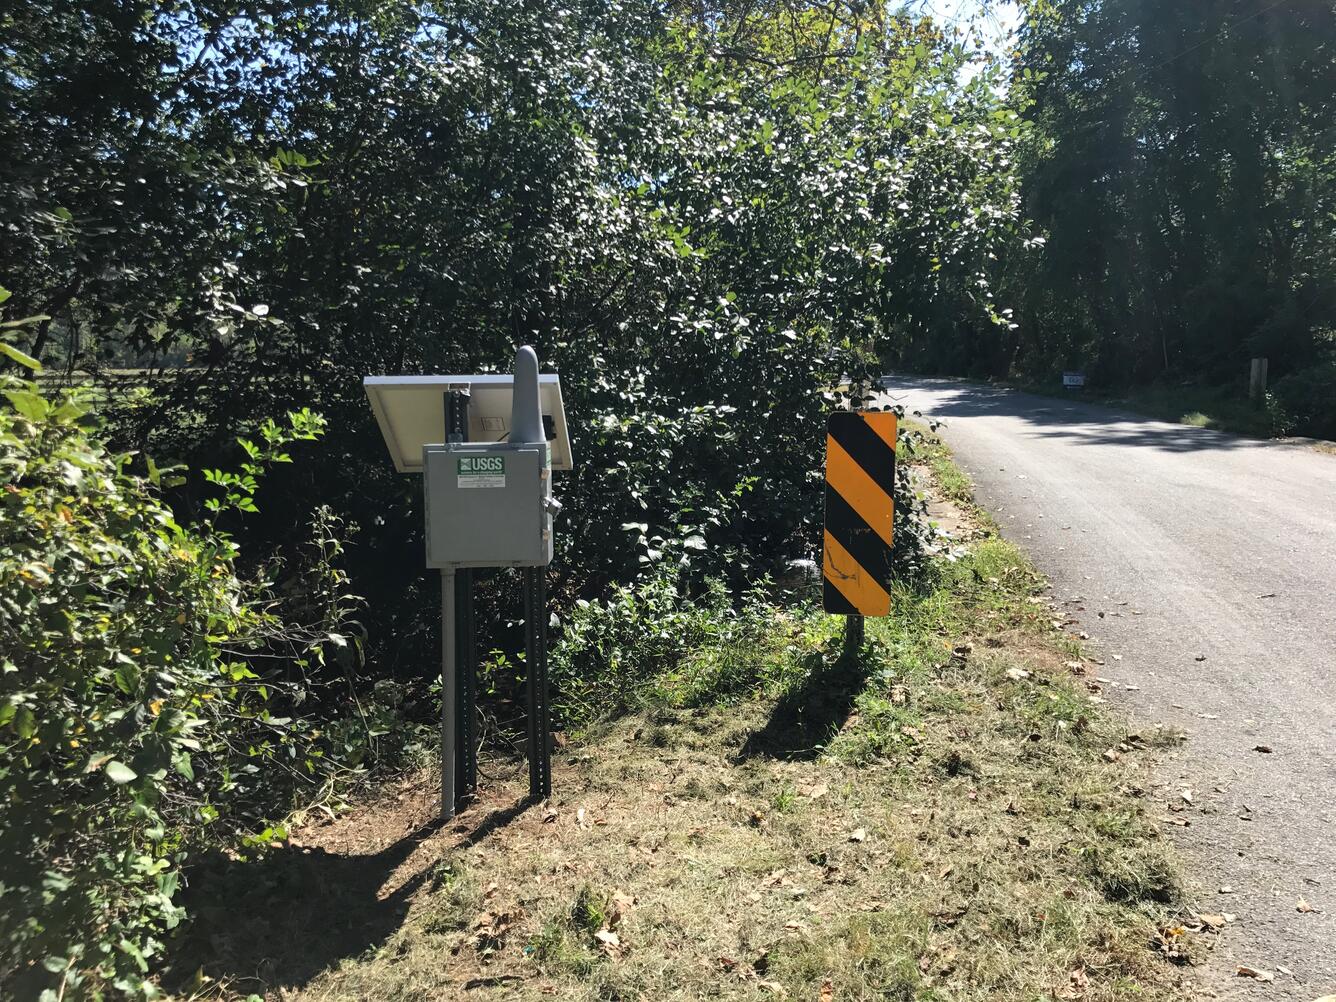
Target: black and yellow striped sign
pixel 860 480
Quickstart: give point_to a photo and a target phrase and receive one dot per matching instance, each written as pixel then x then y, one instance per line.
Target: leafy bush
pixel 672 635
pixel 1308 400
pixel 146 694
pixel 651 637
pixel 703 224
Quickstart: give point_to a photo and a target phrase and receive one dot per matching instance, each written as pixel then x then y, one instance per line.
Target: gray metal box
pixel 489 504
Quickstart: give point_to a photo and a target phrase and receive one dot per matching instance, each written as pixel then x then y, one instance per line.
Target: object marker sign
pixel 860 513
pixel 482 471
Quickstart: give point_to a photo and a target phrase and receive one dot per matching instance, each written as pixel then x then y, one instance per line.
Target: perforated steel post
pixel 466 713
pixel 448 695
pixel 535 655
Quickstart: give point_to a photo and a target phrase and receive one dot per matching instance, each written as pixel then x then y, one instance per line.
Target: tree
pixel 1182 171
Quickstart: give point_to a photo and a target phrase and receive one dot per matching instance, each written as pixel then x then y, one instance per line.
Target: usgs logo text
pixel 482 464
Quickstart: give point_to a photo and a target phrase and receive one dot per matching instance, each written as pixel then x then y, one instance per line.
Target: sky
pixel 997 18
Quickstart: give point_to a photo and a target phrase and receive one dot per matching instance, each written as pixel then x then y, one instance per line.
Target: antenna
pixel 526 422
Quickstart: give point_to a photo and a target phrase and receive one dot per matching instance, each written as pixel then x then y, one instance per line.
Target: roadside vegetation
pixel 947 816
pixel 1219 408
pixel 218 217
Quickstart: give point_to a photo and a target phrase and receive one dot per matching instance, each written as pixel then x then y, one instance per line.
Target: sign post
pixel 860 517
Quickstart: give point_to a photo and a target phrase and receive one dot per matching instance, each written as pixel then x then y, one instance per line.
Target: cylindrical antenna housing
pixel 526 419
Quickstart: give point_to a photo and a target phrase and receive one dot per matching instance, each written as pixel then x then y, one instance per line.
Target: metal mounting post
pixel 535 654
pixel 853 634
pixel 448 710
pixel 466 713
pixel 466 761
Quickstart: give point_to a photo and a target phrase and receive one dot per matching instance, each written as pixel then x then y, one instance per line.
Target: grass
pixel 931 454
pixel 948 816
pixel 1223 408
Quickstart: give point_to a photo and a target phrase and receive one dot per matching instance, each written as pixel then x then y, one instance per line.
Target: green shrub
pixel 653 638
pixel 1308 399
pixel 146 695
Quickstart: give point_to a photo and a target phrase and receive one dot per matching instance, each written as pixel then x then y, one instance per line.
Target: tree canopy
pixel 1182 169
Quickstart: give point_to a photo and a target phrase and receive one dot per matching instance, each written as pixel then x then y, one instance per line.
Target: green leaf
pixel 25 723
pixel 31 405
pixel 34 319
pixel 4 293
pixel 120 773
pixel 22 358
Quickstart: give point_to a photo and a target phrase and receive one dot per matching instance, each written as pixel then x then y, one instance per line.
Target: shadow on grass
pixel 278 920
pixel 807 716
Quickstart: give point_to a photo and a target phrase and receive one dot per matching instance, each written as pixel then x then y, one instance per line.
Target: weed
pixel 557 951
pixel 784 799
pixel 590 911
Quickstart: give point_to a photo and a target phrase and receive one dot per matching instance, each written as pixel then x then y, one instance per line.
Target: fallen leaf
pixel 1264 749
pixel 490 929
pixel 1017 674
pixel 776 878
pixel 608 938
pixel 621 907
pixel 1226 890
pixel 1305 907
pixel 773 987
pixel 1186 795
pixel 1112 755
pixel 580 817
pixel 827 993
pixel 1077 986
pixel 858 835
pixel 1212 921
pixel 818 791
pixel 1253 972
pixel 549 816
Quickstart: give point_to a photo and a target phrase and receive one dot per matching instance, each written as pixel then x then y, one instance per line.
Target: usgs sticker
pixel 482 471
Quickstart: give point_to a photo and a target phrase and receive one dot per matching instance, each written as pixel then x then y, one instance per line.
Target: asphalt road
pixel 1213 561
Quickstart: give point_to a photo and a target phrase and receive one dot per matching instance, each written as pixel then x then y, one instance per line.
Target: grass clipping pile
pixel 950 817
